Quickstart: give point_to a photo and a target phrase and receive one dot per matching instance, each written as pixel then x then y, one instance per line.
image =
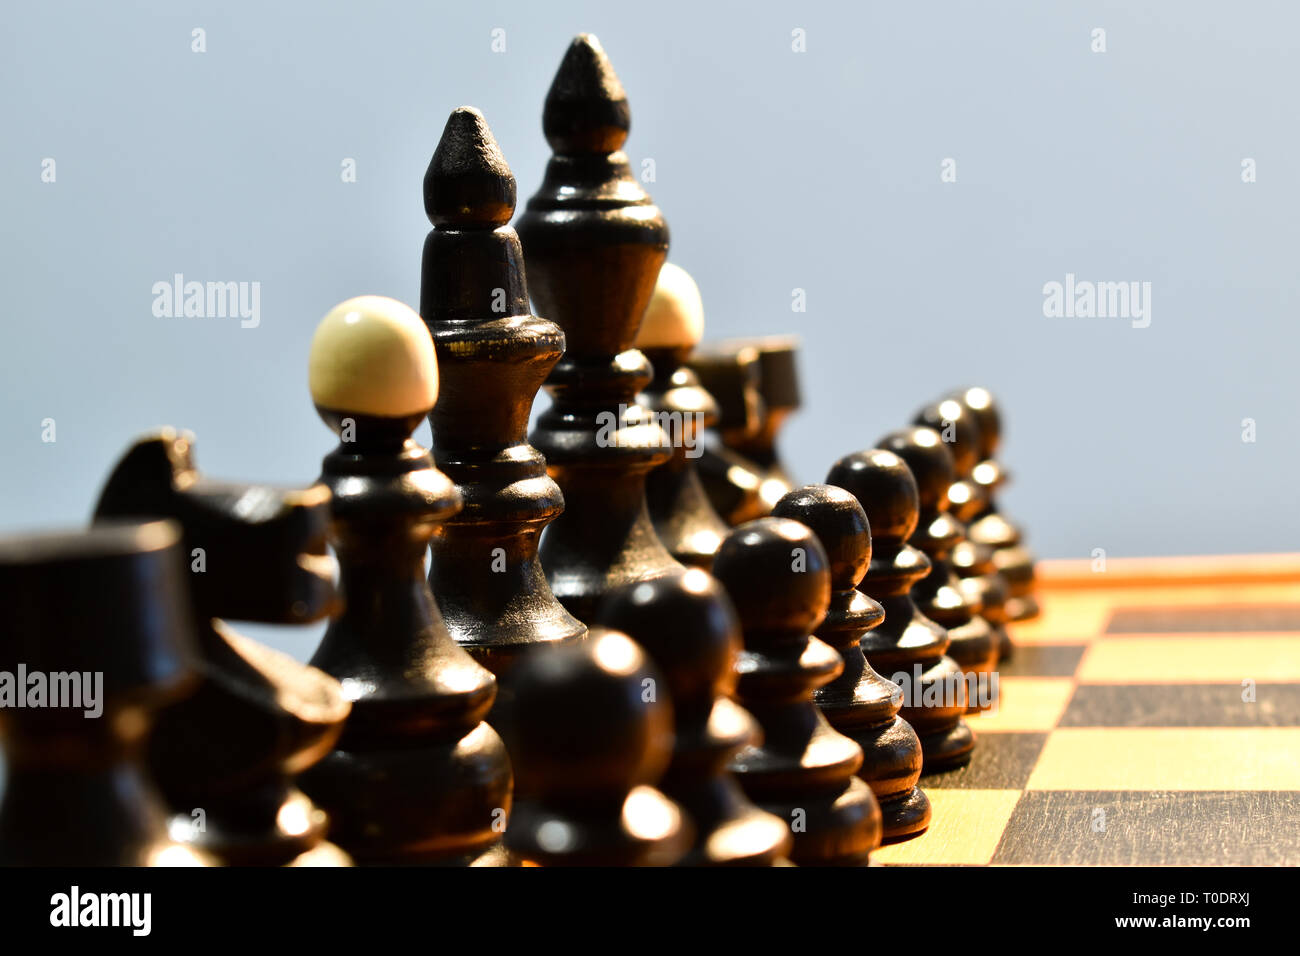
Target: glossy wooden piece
pixel 989 526
pixel 493 356
pixel 860 703
pixel 978 574
pixel 417 776
pixel 906 643
pixel 963 435
pixel 595 733
pixel 778 389
pixel 594 242
pixel 683 516
pixel 731 481
pixel 730 373
pixel 110 602
pixel 686 623
pixel 732 484
pixel 226 756
pixel 804 771
pixel 972 643
pixel 960 431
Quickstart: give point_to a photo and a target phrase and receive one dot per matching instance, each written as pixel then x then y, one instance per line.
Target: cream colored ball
pixel 372 355
pixel 675 316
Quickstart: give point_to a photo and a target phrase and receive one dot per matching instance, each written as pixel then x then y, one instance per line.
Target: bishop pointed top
pixel 586 109
pixel 469 182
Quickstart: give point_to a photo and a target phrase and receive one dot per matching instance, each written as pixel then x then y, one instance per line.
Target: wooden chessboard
pixel 1126 734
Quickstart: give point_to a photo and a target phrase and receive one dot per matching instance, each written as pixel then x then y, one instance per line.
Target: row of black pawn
pixel 712 686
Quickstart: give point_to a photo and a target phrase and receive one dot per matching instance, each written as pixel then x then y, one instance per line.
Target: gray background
pixel 776 170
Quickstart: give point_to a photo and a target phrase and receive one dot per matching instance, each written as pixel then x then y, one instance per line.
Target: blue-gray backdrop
pixel 920 170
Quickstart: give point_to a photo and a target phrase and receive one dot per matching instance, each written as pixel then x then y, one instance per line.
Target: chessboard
pixel 1149 717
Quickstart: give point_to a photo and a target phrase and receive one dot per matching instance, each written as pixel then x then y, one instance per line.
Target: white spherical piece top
pixel 675 316
pixel 373 356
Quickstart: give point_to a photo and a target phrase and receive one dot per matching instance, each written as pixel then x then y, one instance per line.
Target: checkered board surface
pixel 1125 734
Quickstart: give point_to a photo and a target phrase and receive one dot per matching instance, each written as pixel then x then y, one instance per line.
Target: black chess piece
pixel 98 623
pixel 908 647
pixel 860 703
pixel 731 482
pixel 962 434
pixel 492 357
pixel 971 641
pixel 990 527
pixel 778 389
pixel 594 732
pixel 594 243
pixel 417 776
pixel 225 757
pixel 960 431
pixel 977 574
pixel 686 623
pixel 778 577
pixel 683 517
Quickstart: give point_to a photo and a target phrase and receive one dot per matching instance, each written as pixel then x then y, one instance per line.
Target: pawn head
pixel 960 430
pixel 591 723
pixel 674 319
pixel 840 524
pixel 929 460
pixel 778 577
pixel 981 404
pixel 373 356
pixel 686 622
pixel 884 486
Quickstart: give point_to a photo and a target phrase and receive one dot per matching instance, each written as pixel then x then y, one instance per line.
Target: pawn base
pixel 1022 608
pixel 947 750
pixel 840 829
pixel 906 816
pixel 754 839
pixel 1005 647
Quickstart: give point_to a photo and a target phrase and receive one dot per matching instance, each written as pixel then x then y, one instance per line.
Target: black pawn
pixel 778 576
pixel 963 435
pixel 110 607
pixel 860 703
pixel 595 731
pixel 978 574
pixel 417 777
pixel 990 526
pixel 939 595
pixel 226 756
pixel 686 623
pixel 908 647
pixel 683 517
pixel 595 243
pixel 493 356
